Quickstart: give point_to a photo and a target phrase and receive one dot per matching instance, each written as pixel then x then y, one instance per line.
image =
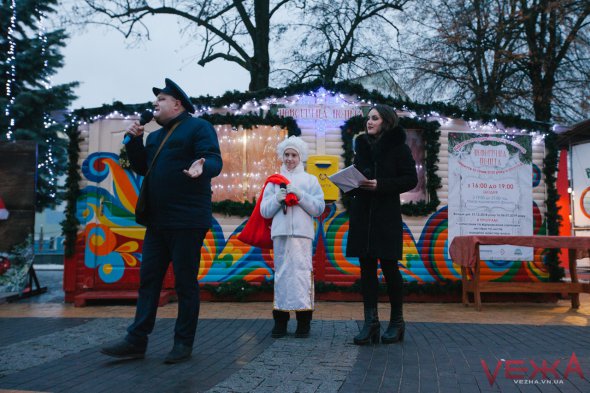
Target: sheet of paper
pixel 347 179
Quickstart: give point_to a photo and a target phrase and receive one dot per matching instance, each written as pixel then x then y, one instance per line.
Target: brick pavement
pixel 319 364
pixel 54 365
pixel 448 358
pixel 239 356
pixel 51 347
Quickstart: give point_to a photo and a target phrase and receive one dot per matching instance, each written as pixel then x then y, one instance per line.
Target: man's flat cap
pixel 172 89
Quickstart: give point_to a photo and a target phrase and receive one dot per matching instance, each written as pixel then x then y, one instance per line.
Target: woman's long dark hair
pixel 390 118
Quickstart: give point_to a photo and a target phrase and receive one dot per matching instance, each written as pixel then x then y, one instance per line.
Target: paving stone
pixel 22 329
pixel 310 360
pixel 42 349
pixel 239 356
pixel 85 370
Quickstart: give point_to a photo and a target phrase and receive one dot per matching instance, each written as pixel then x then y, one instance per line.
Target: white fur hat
pixel 295 143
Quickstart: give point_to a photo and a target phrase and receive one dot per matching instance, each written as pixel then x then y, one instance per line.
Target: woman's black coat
pixel 375 226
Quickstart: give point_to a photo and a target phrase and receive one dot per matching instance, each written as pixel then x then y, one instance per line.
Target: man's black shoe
pixel 179 353
pixel 124 350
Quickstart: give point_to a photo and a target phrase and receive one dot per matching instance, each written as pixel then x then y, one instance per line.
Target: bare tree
pixel 524 56
pixel 342 38
pixel 557 34
pixel 465 52
pixel 233 30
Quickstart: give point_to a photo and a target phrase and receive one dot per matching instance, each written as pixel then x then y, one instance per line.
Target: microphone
pixel 283 204
pixel 146 117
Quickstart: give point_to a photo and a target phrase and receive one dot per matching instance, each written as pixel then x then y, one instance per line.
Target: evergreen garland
pixel 552 216
pixel 124 159
pixel 250 121
pixel 430 134
pixel 247 122
pixel 233 208
pixel 350 88
pixel 244 209
pixel 241 289
pixel 89 114
pixel 240 98
pixel 70 224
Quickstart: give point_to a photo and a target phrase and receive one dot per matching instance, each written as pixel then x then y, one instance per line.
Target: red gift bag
pixel 256 232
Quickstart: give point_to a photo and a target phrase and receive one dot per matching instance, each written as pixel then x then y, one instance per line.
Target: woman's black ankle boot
pixel 371 328
pixel 396 328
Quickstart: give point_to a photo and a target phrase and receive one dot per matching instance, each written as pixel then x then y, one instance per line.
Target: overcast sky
pixel 109 69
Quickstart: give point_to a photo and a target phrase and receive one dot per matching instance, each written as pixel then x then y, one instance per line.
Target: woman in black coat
pixel 375 227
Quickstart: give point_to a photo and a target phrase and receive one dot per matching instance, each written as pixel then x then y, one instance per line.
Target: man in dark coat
pixel 178 216
pixel 375 226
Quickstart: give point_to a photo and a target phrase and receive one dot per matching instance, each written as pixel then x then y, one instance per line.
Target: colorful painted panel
pixel 114 240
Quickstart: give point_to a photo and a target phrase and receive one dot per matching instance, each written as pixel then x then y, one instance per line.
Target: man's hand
pixel 196 169
pixel 369 185
pixel 135 129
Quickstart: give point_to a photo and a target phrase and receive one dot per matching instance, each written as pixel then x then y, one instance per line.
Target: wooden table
pixel 464 251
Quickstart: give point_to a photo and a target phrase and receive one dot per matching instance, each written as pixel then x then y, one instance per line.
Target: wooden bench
pixel 464 251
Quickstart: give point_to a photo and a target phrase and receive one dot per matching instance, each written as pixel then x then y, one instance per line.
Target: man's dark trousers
pixel 183 248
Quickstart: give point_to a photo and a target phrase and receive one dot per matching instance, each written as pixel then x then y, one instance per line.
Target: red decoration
pixel 256 232
pixel 3 211
pixel 4 265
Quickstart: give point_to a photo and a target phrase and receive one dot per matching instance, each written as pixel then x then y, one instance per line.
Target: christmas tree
pixel 29 56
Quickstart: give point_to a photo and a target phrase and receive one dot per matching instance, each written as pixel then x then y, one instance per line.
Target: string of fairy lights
pixel 493 126
pixel 323 96
pixel 250 156
pixel 11 70
pixel 47 161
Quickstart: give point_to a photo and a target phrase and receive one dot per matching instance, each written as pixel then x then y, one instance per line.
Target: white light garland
pixel 321 96
pixel 43 38
pixel 11 70
pixel 48 161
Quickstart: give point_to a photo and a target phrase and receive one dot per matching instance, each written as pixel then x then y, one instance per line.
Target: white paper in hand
pixel 347 179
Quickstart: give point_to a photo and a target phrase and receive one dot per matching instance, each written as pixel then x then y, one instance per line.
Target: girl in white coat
pixel 292 233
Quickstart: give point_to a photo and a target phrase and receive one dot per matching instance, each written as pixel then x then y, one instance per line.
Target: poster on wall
pixel 581 185
pixel 490 190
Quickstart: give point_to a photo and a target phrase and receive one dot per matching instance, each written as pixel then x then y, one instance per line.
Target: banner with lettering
pixel 581 185
pixel 314 111
pixel 490 190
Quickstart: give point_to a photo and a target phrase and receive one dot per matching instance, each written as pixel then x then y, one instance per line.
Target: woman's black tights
pixel 370 283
